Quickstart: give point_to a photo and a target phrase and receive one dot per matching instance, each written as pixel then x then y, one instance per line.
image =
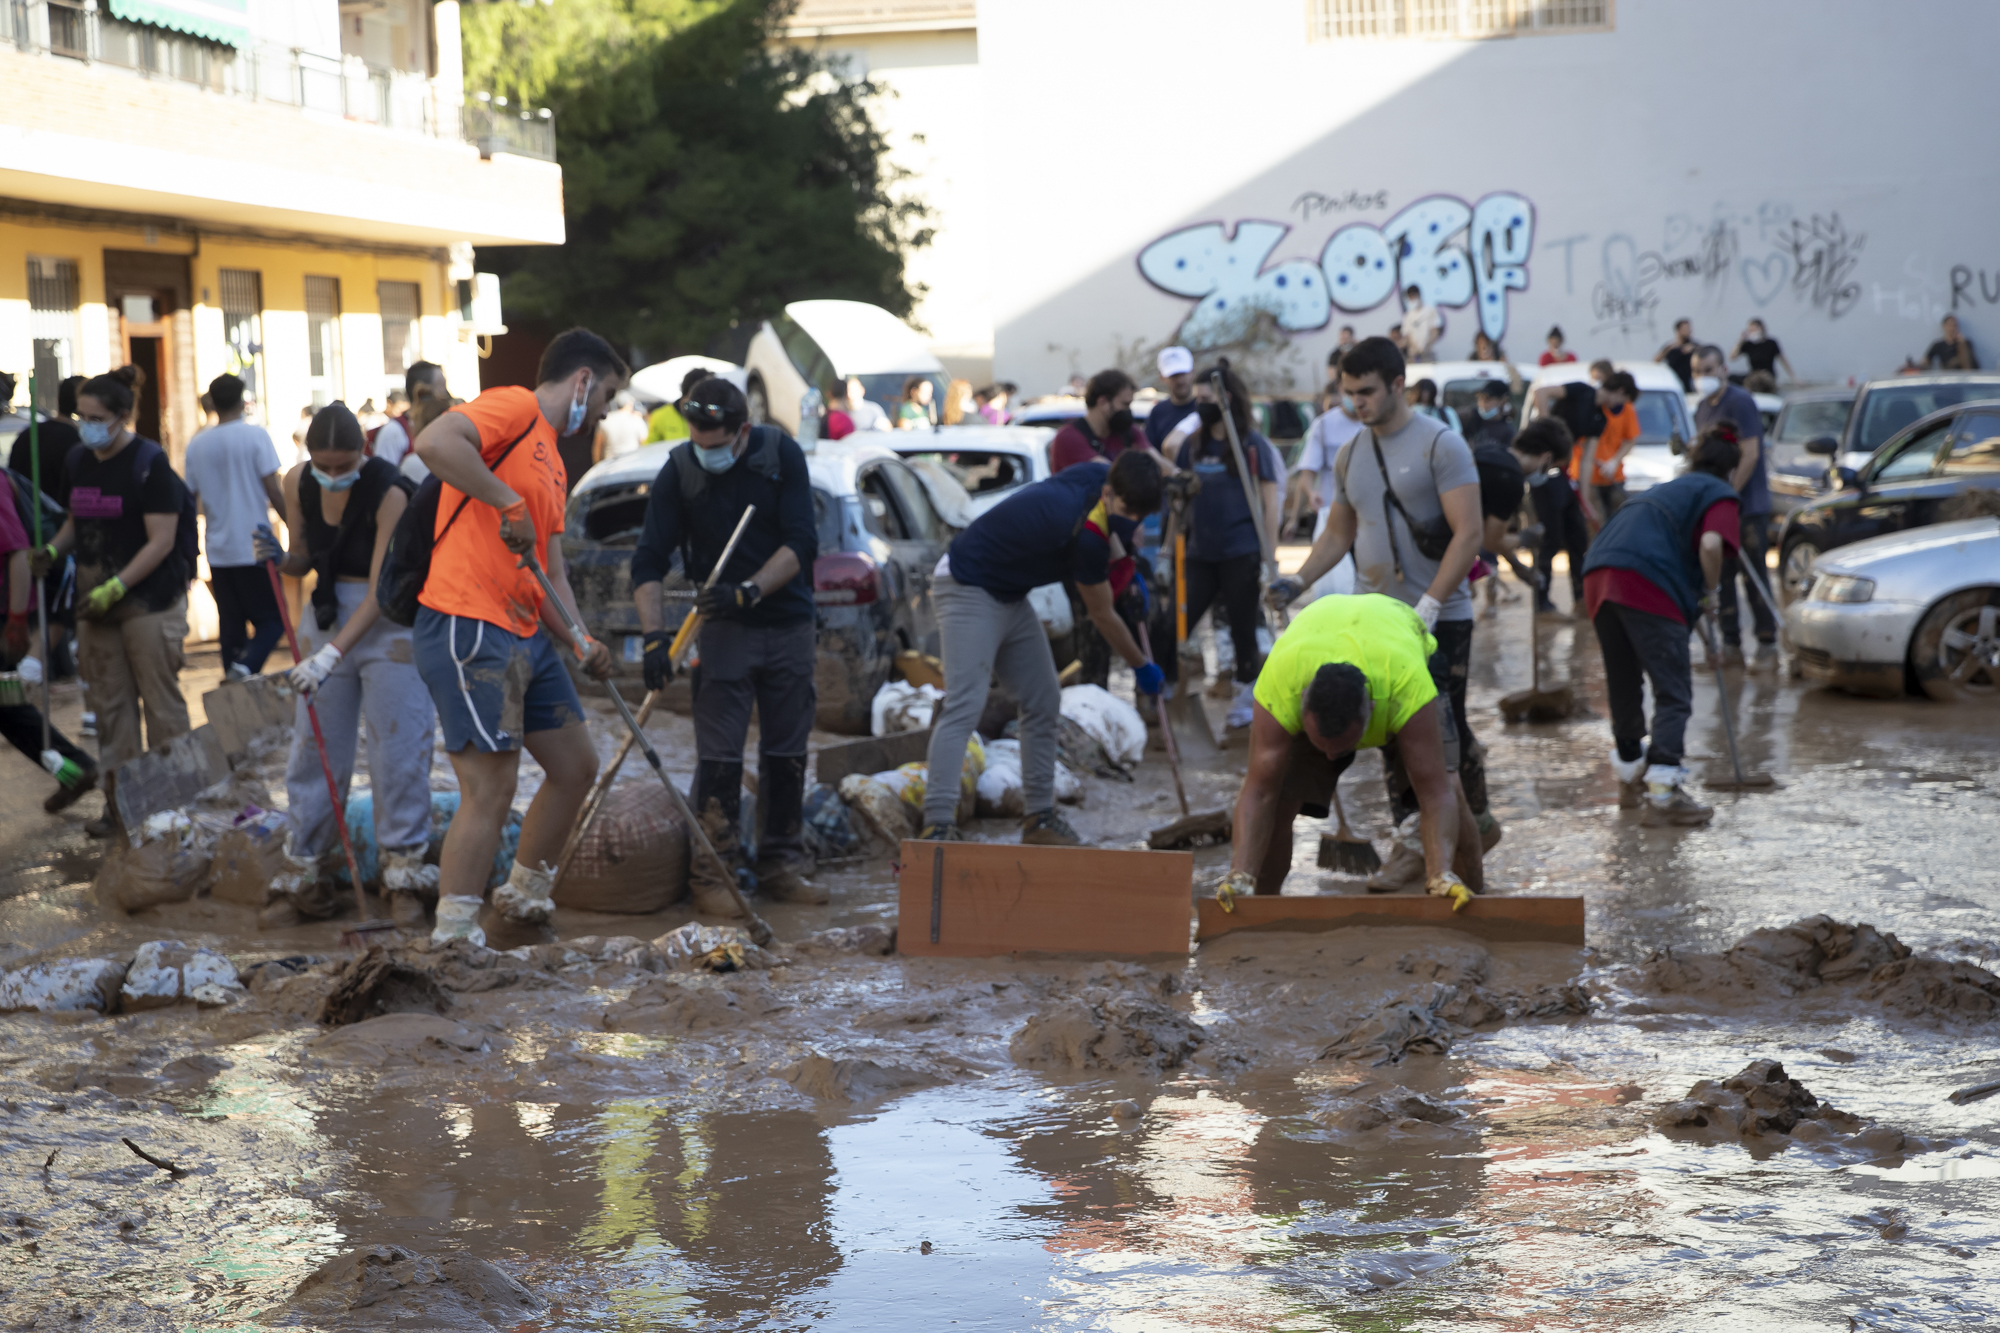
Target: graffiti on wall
pixel 1769 251
pixel 1456 254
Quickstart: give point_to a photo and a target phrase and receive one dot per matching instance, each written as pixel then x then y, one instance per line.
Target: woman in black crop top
pixel 340 508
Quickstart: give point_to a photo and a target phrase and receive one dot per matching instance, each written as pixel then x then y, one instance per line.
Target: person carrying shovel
pixel 1350 674
pixel 1653 568
pixel 757 632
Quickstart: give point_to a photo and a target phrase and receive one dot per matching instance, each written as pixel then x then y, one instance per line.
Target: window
pixel 323 339
pixel 918 515
pixel 52 324
pixel 402 339
pixel 981 472
pixel 1975 444
pixel 243 325
pixel 1800 422
pixel 1888 410
pixel 1912 457
pixel 878 508
pixel 69 34
pixel 1658 421
pixel 1330 20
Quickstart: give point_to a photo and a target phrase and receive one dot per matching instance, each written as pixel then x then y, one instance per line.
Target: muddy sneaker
pixel 405 872
pixel 1732 655
pixel 709 891
pixel 1553 615
pixel 1046 828
pixel 1765 660
pixel 458 919
pixel 1239 708
pixel 1631 777
pixel 1490 832
pixel 943 831
pixel 68 794
pixel 524 899
pixel 1668 804
pixel 785 882
pixel 88 730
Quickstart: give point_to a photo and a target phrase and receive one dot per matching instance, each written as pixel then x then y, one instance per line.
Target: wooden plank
pixel 240 710
pixel 168 777
pixel 1495 917
pixel 870 754
pixel 982 899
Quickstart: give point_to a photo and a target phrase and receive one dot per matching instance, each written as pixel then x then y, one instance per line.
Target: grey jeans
pixel 984 636
pixel 376 681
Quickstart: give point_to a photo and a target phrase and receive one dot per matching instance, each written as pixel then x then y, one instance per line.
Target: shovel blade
pixel 1191 729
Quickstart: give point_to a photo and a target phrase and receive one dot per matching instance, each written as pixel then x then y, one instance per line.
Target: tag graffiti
pixel 1456 254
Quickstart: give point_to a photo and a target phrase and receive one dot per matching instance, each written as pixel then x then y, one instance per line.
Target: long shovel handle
pixel 691 623
pixel 599 790
pixel 1265 547
pixel 760 931
pixel 1722 698
pixel 319 741
pixel 1166 730
pixel 1763 593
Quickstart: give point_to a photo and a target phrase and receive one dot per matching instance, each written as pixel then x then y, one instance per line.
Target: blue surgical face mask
pixel 1491 413
pixel 579 406
pixel 1124 529
pixel 96 434
pixel 717 459
pixel 1347 406
pixel 333 483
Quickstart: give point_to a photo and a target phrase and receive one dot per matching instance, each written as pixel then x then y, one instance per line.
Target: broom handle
pixel 1535 641
pixel 1166 728
pixel 41 585
pixel 692 623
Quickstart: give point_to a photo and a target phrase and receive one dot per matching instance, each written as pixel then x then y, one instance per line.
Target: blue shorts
pixel 491 688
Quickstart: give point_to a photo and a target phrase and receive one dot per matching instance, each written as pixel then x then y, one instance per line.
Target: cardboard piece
pixel 1490 917
pixel 240 710
pixel 169 777
pixel 982 899
pixel 247 858
pixel 870 754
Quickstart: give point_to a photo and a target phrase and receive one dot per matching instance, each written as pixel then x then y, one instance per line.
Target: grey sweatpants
pixel 983 637
pixel 378 681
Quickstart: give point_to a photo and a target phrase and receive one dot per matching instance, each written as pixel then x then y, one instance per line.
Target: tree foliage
pixel 710 174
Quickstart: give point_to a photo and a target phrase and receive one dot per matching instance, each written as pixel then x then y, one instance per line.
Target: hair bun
pixel 130 376
pixel 1222 363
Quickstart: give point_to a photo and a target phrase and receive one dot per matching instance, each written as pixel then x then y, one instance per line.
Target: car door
pixel 928 535
pixel 906 575
pixel 1973 460
pixel 1896 488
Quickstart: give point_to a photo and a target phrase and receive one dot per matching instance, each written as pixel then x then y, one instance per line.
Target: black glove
pixel 1183 486
pixel 726 601
pixel 658 662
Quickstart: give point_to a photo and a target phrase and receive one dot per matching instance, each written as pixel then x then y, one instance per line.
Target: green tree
pixel 710 174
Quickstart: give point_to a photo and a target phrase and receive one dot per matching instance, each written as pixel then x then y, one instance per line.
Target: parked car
pixel 1884 408
pixel 1458 382
pixel 880 535
pixel 1901 486
pixel 1908 610
pixel 1664 424
pixel 1796 474
pixel 661 381
pixel 813 345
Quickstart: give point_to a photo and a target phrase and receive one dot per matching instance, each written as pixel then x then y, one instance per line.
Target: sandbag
pixel 168 867
pixel 165 972
pixel 633 857
pixel 900 706
pixel 63 985
pixel 1000 785
pixel 1111 721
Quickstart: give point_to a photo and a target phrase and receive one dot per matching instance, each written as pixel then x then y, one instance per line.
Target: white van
pixel 814 345
pixel 1665 425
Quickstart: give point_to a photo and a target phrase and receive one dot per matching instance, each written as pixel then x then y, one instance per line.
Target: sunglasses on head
pixel 711 415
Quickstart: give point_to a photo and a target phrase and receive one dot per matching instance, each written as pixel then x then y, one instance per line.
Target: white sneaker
pixel 525 898
pixel 1239 709
pixel 236 674
pixel 458 919
pixel 89 726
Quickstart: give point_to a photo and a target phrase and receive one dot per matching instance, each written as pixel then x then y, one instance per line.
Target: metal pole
pixel 41 587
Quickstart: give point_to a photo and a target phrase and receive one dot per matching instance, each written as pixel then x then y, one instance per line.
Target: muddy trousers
pixel 1449 666
pixel 1231 587
pixel 1639 645
pixel 243 596
pixel 129 661
pixel 1563 529
pixel 376 682
pixel 1755 534
pixel 984 637
pixel 770 668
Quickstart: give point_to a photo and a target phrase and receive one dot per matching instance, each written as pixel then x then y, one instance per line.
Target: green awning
pixel 225 21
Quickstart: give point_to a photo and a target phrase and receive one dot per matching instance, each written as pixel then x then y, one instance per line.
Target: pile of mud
pixel 1452 1001
pixel 1766 1109
pixel 1827 964
pixel 1117 1021
pixel 387 1286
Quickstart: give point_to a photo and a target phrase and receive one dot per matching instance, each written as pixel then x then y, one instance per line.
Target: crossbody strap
pixel 464 499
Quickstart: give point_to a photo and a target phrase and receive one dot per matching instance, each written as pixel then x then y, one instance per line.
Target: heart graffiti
pixel 1765 278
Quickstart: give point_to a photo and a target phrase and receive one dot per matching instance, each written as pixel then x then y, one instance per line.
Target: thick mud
pixel 1356 1129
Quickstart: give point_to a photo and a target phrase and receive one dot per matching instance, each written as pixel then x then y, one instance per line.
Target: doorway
pixel 152 328
pixel 147 341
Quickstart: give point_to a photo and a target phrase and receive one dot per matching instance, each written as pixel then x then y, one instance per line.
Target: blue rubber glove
pixel 1148 677
pixel 264 544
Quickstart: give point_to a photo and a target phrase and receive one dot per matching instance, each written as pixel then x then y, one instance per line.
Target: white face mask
pixel 1706 384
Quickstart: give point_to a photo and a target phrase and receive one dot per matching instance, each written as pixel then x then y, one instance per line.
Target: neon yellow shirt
pixel 1378 634
pixel 666 423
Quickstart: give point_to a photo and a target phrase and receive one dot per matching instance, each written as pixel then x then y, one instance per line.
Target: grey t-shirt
pixel 1425 459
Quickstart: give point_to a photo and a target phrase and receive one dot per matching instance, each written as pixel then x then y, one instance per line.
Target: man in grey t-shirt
pixel 1430 471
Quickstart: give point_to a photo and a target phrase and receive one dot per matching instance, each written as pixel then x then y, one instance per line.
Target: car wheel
pixel 1795 569
pixel 1956 649
pixel 760 403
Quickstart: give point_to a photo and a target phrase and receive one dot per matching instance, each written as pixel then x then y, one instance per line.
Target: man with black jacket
pixel 757 634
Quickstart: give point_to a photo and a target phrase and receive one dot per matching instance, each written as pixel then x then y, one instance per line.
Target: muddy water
pixel 660 1152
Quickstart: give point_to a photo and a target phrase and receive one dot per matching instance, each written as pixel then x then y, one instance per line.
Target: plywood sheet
pixel 1491 917
pixel 979 900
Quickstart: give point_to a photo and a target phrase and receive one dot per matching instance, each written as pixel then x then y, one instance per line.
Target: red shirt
pixel 1075 444
pixel 1628 587
pixel 1552 359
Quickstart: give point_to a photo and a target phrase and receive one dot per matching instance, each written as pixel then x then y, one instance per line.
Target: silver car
pixel 1918 608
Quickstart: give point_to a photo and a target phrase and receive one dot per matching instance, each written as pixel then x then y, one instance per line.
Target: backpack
pixel 1578 410
pixel 26 498
pixel 406 565
pixel 187 537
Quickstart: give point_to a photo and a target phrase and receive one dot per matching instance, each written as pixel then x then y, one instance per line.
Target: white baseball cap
pixel 1176 361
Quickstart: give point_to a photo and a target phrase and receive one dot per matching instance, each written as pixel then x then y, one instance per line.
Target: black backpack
pixel 1578 410
pixel 187 537
pixel 26 498
pixel 406 565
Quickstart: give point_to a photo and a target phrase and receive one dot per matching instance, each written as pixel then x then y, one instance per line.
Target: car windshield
pixel 1894 407
pixel 1800 422
pixel 1657 418
pixel 981 471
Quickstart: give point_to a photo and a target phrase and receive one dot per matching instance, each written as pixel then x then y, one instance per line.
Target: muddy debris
pixel 1426 1021
pixel 1116 1020
pixel 168 972
pixel 868 941
pixel 1763 1103
pixel 1395 1108
pixel 377 983
pixel 829 1080
pixel 681 1006
pixel 63 985
pixel 403 1037
pixel 388 1286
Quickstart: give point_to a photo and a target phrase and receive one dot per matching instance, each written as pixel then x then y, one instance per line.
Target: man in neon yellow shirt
pixel 1351 673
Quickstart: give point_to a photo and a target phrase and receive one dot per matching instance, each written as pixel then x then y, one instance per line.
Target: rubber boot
pixel 411 885
pixel 524 899
pixel 305 884
pixel 781 860
pixel 1668 804
pixel 709 892
pixel 1631 775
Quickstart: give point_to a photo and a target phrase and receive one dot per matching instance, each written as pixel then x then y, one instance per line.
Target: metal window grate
pixel 402 341
pixel 53 288
pixel 323 338
pixel 243 324
pixel 1331 20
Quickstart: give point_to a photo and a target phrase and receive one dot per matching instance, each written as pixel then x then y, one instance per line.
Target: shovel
pixel 1743 781
pixel 1189 830
pixel 1537 704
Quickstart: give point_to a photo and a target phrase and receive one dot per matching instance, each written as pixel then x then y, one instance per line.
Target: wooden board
pixel 982 899
pixel 1496 917
pixel 170 776
pixel 870 754
pixel 241 709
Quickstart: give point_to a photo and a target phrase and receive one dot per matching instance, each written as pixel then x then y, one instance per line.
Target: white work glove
pixel 30 670
pixel 309 674
pixel 1427 610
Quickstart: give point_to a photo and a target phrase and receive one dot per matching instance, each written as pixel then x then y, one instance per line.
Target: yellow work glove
pixel 1449 886
pixel 1234 883
pixel 102 598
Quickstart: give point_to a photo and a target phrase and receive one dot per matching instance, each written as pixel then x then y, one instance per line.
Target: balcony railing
pixel 347 87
